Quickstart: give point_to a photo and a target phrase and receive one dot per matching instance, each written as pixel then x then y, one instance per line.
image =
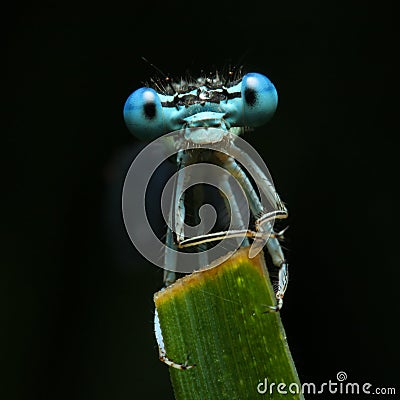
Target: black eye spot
pixel 149 110
pixel 250 96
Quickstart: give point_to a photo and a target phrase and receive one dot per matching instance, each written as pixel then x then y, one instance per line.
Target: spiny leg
pixel 170 256
pixel 197 201
pixel 265 185
pixel 278 259
pixel 178 202
pixel 161 347
pixel 279 210
pixel 263 224
pixel 169 274
pixel 216 236
pixel 176 218
pixel 231 201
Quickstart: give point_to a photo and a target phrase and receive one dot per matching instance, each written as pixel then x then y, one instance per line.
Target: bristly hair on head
pixel 164 84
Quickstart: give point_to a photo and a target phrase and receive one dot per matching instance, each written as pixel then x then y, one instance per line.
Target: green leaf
pixel 219 318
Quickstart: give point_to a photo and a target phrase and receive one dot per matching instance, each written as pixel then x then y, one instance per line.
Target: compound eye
pixel 260 99
pixel 143 114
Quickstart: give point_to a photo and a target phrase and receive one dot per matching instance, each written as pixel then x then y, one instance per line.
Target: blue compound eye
pixel 143 114
pixel 259 98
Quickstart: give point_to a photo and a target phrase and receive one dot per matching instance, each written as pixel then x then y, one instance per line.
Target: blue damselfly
pixel 206 117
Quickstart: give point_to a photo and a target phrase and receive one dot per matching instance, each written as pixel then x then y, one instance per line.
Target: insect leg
pixel 263 223
pixel 175 220
pixel 179 211
pixel 161 347
pixel 169 274
pixel 231 201
pixel 278 259
pixel 256 207
pixel 266 187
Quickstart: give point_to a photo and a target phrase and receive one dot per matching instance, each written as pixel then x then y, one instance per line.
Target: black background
pixel 77 308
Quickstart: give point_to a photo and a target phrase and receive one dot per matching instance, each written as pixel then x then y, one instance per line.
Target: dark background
pixel 76 306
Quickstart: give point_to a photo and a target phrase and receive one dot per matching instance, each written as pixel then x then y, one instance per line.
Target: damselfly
pixel 208 115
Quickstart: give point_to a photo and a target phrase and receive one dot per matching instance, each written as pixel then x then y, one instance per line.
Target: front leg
pixel 263 224
pixel 161 348
pixel 176 217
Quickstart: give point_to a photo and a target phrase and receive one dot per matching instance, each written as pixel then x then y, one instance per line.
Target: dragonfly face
pixel 249 102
